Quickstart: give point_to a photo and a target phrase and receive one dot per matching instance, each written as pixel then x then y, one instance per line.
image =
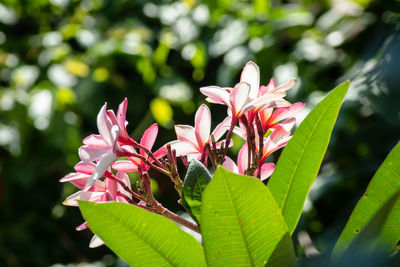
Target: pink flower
pixel 101 191
pixel 279 137
pixel 147 141
pixel 109 190
pixel 104 147
pixel 246 95
pixel 191 140
pixel 270 119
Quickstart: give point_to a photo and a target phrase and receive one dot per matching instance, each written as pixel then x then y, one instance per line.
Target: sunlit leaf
pixel 241 224
pixel 301 159
pixel 142 238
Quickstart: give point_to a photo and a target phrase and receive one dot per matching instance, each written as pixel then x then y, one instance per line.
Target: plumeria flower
pixel 270 119
pixel 192 140
pixel 246 95
pixel 101 191
pixel 147 141
pixel 79 178
pixel 123 137
pixel 106 191
pixel 279 137
pixel 104 147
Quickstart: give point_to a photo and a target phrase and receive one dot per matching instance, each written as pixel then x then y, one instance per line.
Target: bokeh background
pixel 60 60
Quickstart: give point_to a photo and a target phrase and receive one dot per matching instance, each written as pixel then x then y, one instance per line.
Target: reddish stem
pixel 228 136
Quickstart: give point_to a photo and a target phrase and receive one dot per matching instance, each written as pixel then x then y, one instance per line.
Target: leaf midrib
pixel 134 233
pixel 236 216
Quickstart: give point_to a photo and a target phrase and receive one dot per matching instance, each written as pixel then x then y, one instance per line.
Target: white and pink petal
pixel 202 124
pixel 251 75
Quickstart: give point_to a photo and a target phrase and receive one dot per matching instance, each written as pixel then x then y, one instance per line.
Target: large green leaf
pixel 301 159
pixel 196 180
pixel 367 241
pixel 242 225
pixel 142 238
pixel 384 184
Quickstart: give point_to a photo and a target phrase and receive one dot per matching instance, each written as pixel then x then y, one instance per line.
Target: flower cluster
pixel 258 114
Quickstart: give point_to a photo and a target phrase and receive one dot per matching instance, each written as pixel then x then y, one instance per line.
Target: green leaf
pixel 300 161
pixel 142 238
pixel 384 184
pixel 241 224
pixel 196 180
pixel 367 241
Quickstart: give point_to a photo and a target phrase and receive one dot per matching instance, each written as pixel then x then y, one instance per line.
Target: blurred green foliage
pixel 60 60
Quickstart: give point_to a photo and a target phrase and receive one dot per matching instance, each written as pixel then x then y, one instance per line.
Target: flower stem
pixel 173 172
pixel 260 146
pixel 229 136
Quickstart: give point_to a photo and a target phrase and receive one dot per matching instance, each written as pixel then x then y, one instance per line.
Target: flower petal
pixel 72 200
pixel 124 178
pixel 183 148
pixel 161 152
pixel 96 242
pixel 286 112
pixel 87 153
pixel 216 95
pixel 82 226
pixel 269 88
pixel 104 162
pixel 265 115
pixel 126 165
pixel 80 180
pixel 221 128
pixel 242 158
pixel 230 165
pixel 121 113
pixel 251 75
pixel 266 170
pixel 280 103
pixel 95 140
pixel 285 86
pixel 194 156
pixel 85 167
pixel 202 125
pixel 186 133
pixel 264 101
pixel 149 136
pixel 239 97
pixel 104 125
pixel 111 187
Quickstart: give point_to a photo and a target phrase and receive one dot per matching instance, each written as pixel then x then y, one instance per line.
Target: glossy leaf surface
pixel 142 238
pixel 196 180
pixel 301 159
pixel 242 225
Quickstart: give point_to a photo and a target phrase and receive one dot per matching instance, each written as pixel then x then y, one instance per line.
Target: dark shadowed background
pixel 60 60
